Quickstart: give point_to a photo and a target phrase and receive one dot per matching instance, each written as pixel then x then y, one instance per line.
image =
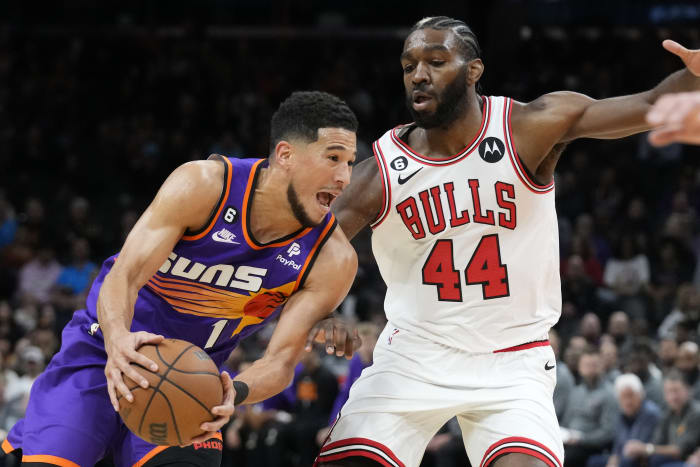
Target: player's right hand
pixel 121 352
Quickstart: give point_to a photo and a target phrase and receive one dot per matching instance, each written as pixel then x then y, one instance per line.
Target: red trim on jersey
pixel 357 452
pixel 529 345
pixel 386 185
pixel 522 174
pixel 500 447
pixel 227 187
pixel 438 161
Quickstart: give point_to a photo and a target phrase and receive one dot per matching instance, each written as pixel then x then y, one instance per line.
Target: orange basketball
pixel 179 397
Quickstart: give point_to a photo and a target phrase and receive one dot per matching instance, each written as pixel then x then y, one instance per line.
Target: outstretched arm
pixel 327 285
pixel 564 116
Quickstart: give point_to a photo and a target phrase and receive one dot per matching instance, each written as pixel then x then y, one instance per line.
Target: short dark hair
pixel 469 45
pixel 674 374
pixel 304 112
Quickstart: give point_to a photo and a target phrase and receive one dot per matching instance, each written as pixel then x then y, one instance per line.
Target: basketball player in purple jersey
pixel 461 203
pixel 226 246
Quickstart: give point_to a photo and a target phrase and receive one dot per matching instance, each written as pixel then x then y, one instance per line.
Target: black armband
pixel 241 392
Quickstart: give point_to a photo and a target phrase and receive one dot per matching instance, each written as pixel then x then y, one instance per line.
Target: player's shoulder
pixel 198 183
pixel 337 256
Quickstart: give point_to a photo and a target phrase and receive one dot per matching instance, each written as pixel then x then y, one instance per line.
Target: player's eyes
pixel 408 68
pixel 437 62
pixel 334 158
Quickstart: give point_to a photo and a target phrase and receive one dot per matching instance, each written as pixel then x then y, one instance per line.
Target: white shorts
pixel 503 402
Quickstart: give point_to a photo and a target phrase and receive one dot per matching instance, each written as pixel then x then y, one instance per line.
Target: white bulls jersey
pixel 468 246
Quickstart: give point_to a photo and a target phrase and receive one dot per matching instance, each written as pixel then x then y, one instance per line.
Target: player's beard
pixel 451 104
pixel 298 209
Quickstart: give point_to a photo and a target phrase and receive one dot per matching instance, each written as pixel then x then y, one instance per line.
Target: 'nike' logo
pixel 224 236
pixel 547 366
pixel 404 180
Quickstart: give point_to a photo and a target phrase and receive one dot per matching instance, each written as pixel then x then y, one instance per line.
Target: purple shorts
pixel 70 420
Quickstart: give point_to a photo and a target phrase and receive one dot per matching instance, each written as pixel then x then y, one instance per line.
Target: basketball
pixel 179 397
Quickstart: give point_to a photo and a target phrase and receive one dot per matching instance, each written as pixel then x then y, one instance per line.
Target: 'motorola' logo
pixel 492 149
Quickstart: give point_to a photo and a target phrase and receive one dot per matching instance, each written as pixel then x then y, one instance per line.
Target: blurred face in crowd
pixel 638 363
pixel 619 324
pixel 687 359
pixel 590 327
pixel 668 350
pixel 435 75
pixel 590 367
pixel 608 352
pixel 676 394
pixel 573 352
pixel 630 401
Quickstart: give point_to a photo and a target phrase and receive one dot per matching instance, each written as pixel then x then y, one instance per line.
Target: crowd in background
pixel 90 125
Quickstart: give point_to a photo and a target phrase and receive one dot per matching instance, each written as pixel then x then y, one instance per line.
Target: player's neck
pixel 271 217
pixel 450 140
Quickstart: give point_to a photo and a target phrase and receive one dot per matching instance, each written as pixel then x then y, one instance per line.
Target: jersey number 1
pixel 485 267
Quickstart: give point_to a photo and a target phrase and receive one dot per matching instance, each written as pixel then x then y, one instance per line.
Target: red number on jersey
pixel 439 270
pixel 486 268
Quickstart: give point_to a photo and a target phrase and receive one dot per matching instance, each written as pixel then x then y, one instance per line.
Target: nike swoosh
pixel 216 238
pixel 547 367
pixel 404 180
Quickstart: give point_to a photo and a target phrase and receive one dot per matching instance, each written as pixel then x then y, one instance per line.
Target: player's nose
pixel 342 175
pixel 421 74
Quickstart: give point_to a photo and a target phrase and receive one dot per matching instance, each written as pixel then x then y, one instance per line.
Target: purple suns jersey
pixel 219 284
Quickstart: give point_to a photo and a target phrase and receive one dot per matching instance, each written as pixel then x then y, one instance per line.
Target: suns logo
pixel 224 275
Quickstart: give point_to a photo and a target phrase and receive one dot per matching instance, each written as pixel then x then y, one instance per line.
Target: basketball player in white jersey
pixel 461 203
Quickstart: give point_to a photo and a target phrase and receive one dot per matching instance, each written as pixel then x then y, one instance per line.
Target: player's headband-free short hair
pixel 468 42
pixel 302 114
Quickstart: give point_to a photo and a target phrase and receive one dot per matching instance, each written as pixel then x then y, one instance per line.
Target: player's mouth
pixel 325 199
pixel 421 100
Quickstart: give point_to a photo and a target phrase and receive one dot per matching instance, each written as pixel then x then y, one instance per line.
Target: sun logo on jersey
pixel 260 306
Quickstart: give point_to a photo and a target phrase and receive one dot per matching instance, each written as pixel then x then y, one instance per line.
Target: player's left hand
pixel 340 337
pixel 691 58
pixel 222 412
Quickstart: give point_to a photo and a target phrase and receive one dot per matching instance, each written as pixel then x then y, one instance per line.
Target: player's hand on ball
pixel 121 352
pixel 222 412
pixel 339 336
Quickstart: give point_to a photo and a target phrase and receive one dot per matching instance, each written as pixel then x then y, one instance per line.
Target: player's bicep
pixel 360 202
pixel 184 201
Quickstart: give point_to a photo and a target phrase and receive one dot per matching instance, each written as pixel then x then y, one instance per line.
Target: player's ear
pixel 475 68
pixel 283 153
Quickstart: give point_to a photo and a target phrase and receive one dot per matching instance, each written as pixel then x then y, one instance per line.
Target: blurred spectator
pixel 639 362
pixel 686 307
pixel 588 425
pixel 619 328
pixel 590 328
pixel 678 432
pixel 577 287
pixel 565 380
pixel 637 421
pixel 688 363
pixel 577 345
pixel 8 222
pixel 608 353
pixel 37 277
pixel 72 285
pixel 627 273
pixel 668 352
pixel 30 365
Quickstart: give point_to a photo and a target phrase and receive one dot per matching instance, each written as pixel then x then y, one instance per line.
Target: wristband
pixel 241 391
pixel 649 448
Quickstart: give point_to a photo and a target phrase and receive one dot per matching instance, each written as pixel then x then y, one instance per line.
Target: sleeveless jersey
pixel 468 245
pixel 220 285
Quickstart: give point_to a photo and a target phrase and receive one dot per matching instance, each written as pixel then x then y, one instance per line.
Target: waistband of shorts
pixel 525 346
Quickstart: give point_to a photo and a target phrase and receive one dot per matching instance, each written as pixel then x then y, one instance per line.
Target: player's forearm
pixel 264 379
pixel 669 450
pixel 680 81
pixel 115 305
